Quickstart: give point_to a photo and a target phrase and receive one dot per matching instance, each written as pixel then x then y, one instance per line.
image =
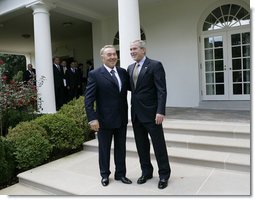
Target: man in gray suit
pixel 148 101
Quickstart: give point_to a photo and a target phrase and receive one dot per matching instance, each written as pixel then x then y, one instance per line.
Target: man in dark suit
pixel 90 66
pixel 148 100
pixel 107 86
pixel 29 74
pixel 72 81
pixel 58 82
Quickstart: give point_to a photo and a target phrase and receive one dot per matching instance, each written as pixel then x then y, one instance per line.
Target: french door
pixel 226 65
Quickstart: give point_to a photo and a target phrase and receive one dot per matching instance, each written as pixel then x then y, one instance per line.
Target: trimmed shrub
pixel 31 146
pixel 11 117
pixel 7 161
pixel 75 110
pixel 62 131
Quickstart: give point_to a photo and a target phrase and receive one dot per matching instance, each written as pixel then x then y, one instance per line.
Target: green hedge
pixel 31 146
pixel 12 117
pixel 32 143
pixel 7 161
pixel 75 110
pixel 62 131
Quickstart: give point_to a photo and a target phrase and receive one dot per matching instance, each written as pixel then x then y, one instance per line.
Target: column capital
pixel 41 5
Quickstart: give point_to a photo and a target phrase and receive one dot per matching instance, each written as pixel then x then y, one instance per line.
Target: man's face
pixel 136 52
pixel 109 57
pixel 57 61
pixel 72 64
pixel 63 63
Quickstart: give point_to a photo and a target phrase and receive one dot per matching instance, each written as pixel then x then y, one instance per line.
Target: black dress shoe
pixel 143 179
pixel 124 180
pixel 105 181
pixel 162 183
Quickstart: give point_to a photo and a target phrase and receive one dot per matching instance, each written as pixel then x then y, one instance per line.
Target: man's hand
pixel 94 125
pixel 159 119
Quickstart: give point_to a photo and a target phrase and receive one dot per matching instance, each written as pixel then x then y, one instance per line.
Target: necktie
pixel 135 73
pixel 115 78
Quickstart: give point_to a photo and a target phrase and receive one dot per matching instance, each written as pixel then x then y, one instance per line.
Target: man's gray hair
pixel 141 43
pixel 106 47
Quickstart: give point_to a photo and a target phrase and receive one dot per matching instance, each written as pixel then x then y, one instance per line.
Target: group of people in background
pixel 69 80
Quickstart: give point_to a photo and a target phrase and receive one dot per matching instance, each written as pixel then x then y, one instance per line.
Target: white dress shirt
pixel 116 74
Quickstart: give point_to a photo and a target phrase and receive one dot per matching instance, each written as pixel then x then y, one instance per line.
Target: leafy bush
pixel 31 146
pixel 11 117
pixel 17 101
pixel 18 77
pixel 62 131
pixel 7 161
pixel 75 110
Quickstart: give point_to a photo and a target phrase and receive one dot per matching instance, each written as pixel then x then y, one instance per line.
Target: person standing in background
pixel 72 81
pixel 30 74
pixel 65 68
pixel 90 67
pixel 58 82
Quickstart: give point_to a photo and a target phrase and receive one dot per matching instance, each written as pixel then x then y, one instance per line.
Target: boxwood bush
pixel 62 131
pixel 30 143
pixel 7 161
pixel 11 117
pixel 75 110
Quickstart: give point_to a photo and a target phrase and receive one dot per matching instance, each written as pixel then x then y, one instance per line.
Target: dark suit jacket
pixel 111 104
pixel 27 75
pixel 149 96
pixel 72 78
pixel 58 77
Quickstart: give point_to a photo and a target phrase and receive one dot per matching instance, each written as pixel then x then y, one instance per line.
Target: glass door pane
pixel 214 71
pixel 240 55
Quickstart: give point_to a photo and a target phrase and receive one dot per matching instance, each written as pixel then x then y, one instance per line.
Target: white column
pixel 129 28
pixel 43 57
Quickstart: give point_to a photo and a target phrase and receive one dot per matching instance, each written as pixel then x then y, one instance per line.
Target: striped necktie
pixel 135 73
pixel 115 78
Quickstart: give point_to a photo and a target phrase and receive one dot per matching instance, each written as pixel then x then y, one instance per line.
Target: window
pixel 229 15
pixel 116 38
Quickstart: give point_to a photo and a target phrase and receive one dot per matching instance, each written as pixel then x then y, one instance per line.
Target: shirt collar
pixel 142 61
pixel 110 69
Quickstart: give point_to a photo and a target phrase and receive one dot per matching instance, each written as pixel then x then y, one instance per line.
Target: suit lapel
pixel 107 76
pixel 142 72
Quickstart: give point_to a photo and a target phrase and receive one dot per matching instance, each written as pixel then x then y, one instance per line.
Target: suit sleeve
pixel 90 97
pixel 160 83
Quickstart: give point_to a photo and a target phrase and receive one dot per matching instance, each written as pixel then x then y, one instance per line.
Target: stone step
pixel 206 128
pixel 223 160
pixel 78 174
pixel 235 145
pixel 24 189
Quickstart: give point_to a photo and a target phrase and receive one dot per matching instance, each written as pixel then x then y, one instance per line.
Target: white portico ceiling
pixel 80 13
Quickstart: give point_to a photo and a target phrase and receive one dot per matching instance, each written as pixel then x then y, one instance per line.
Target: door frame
pixel 227 60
